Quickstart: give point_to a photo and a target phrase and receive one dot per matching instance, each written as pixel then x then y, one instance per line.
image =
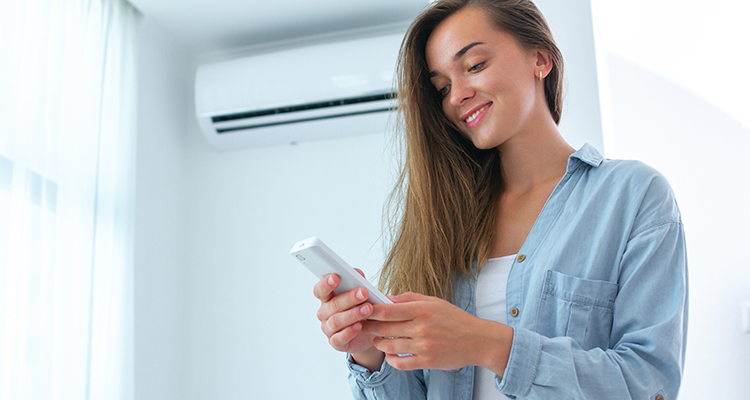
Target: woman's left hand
pixel 437 335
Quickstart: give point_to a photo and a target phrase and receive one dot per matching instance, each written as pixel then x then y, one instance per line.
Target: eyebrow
pixel 459 54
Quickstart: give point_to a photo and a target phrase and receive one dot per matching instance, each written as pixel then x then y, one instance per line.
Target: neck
pixel 537 157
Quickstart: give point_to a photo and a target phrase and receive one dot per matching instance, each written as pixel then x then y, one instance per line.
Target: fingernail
pixel 330 280
pixel 360 295
pixel 364 309
pixel 356 327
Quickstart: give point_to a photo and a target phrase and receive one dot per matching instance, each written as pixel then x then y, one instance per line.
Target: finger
pixel 407 362
pixel 394 345
pixel 388 329
pixel 341 303
pixel 341 340
pixel 323 290
pixel 360 272
pixel 342 320
pixel 395 312
pixel 409 297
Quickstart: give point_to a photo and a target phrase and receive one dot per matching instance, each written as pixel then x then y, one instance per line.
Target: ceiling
pixel 214 25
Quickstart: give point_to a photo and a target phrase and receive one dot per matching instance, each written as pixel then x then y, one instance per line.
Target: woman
pixel 524 268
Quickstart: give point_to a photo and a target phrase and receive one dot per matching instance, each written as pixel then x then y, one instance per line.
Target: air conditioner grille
pixel 305 107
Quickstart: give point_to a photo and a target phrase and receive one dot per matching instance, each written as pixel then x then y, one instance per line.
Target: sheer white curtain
pixel 67 143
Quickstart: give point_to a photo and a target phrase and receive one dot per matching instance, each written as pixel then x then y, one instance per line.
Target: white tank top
pixel 490 300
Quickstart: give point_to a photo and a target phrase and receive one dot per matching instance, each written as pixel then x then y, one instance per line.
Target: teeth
pixel 476 114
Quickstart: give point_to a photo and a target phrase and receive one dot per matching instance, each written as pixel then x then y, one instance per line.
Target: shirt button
pixel 659 397
pixel 521 258
pixel 514 313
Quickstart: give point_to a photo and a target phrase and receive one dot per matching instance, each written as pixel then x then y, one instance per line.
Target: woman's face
pixel 488 82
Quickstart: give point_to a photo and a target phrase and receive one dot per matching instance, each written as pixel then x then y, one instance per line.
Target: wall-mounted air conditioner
pixel 308 93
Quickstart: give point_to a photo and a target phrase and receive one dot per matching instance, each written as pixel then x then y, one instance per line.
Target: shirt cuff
pixel 525 354
pixel 366 378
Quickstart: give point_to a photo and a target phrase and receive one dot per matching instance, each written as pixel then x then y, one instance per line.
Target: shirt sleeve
pixel 387 383
pixel 646 351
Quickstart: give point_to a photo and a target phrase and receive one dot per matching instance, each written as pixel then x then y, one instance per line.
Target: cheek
pixel 449 112
pixel 447 108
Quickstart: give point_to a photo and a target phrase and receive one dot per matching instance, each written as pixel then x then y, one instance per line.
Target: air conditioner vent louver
pixel 305 107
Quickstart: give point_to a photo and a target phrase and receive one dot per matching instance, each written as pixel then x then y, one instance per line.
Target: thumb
pixel 409 297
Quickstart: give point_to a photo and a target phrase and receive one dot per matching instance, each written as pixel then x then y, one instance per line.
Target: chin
pixel 483 143
pixel 484 146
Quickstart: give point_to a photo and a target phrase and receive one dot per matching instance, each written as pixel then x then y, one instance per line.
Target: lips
pixel 475 115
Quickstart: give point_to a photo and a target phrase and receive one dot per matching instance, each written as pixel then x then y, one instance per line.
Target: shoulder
pixel 629 191
pixel 627 175
pixel 641 188
pixel 615 174
pixel 628 169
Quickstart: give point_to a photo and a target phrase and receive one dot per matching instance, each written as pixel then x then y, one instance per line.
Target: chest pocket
pixel 577 308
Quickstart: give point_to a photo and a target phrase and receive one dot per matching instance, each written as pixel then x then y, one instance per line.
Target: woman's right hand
pixel 341 319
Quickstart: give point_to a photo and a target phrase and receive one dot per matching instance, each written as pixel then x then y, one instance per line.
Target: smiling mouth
pixel 476 114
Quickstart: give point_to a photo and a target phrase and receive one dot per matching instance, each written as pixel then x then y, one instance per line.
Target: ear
pixel 543 62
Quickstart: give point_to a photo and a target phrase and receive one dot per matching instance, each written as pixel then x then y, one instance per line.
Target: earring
pixel 540 76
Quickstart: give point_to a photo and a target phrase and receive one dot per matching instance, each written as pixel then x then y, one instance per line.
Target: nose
pixel 460 92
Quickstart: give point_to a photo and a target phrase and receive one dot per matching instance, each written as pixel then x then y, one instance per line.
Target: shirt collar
pixel 587 154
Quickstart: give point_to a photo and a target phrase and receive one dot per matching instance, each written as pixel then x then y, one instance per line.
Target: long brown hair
pixel 442 212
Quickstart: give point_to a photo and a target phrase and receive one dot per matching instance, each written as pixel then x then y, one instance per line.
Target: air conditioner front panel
pixel 298 76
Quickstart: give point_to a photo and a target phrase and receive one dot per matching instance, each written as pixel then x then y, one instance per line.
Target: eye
pixel 476 67
pixel 444 90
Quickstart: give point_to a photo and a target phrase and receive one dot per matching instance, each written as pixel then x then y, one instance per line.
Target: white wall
pixel 673 95
pixel 164 96
pixel 572 27
pixel 252 330
pixel 703 153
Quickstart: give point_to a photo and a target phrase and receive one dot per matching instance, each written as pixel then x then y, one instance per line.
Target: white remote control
pixel 322 261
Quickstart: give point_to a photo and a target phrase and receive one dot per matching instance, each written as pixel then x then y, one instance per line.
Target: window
pixel 67 131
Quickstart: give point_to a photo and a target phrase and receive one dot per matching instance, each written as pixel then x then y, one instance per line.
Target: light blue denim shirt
pixel 598 297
